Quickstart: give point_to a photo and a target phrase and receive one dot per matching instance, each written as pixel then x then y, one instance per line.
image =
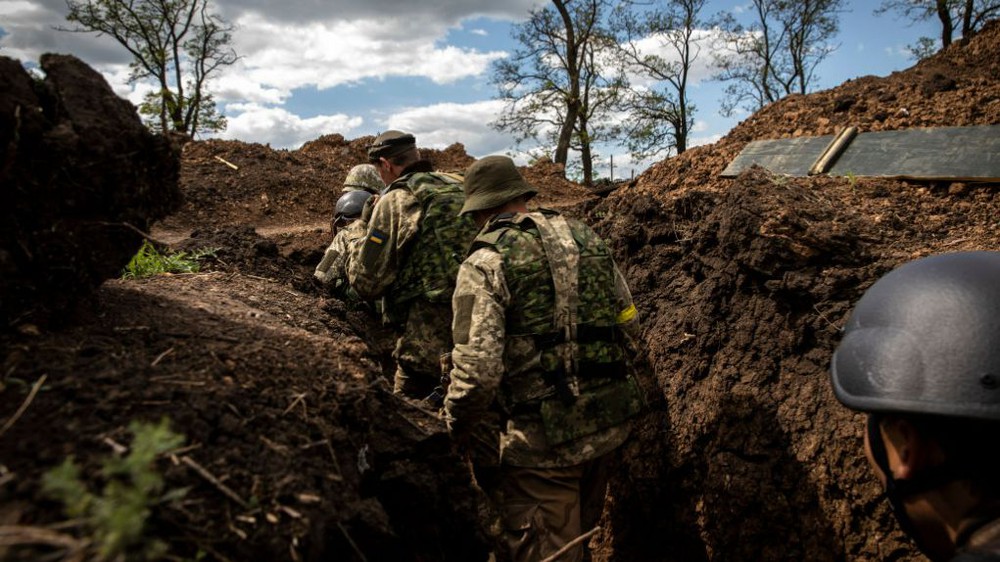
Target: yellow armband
pixel 626 315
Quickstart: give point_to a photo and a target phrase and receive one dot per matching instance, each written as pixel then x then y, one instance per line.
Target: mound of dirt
pixel 744 285
pixel 80 179
pixel 296 450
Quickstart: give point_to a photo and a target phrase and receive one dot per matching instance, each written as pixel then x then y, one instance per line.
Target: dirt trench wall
pixel 742 294
pixel 79 173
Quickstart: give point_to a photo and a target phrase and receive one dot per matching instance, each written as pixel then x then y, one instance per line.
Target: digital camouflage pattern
pixel 332 269
pixel 379 264
pixel 429 269
pixel 364 177
pixel 516 370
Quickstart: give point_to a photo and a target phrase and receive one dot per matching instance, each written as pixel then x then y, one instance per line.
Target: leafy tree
pixel 660 44
pixel 777 53
pixel 557 84
pixel 177 44
pixel 964 16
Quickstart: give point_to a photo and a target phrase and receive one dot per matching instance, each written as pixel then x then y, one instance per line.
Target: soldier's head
pixel 391 152
pixel 921 355
pixel 349 208
pixel 494 185
pixel 363 177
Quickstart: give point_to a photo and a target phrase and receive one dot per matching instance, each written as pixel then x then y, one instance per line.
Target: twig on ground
pixel 24 405
pixel 298 398
pixel 227 162
pixel 227 491
pixel 11 535
pixel 160 357
pixel 351 542
pixel 145 235
pixel 571 545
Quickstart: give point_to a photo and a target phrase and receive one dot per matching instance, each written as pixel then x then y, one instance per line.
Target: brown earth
pixel 742 285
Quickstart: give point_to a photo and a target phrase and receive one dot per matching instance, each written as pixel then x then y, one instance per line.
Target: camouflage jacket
pixel 332 269
pixel 414 242
pixel 492 360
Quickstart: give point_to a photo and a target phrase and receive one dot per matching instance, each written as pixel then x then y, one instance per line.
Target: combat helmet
pixel 925 339
pixel 491 182
pixel 363 177
pixel 349 206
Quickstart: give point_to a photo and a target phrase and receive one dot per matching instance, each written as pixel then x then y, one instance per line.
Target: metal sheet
pixel 941 153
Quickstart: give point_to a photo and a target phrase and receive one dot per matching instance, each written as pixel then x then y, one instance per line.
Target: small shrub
pixel 116 518
pixel 149 261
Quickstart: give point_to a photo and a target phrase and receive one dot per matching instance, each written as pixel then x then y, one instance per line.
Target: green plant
pixel 148 261
pixel 116 518
pixel 852 179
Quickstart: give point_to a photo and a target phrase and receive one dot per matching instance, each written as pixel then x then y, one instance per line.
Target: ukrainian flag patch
pixel 377 237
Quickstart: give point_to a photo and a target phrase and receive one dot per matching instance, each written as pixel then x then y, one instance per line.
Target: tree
pixel 659 44
pixel 965 15
pixel 555 84
pixel 777 53
pixel 177 44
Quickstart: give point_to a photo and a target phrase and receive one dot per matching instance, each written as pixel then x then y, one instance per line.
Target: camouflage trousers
pixel 543 509
pixel 425 336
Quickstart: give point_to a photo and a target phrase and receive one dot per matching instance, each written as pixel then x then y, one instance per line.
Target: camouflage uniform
pixel 363 177
pixel 410 255
pixel 509 352
pixel 332 269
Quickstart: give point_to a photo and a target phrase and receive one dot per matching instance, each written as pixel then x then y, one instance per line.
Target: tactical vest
pixel 599 350
pixel 431 266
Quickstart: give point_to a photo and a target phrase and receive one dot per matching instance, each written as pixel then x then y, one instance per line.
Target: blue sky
pixel 357 67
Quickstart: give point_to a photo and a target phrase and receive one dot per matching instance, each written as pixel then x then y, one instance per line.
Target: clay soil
pixel 295 450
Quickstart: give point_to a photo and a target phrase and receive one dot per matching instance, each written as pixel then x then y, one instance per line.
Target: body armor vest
pixel 431 266
pixel 599 349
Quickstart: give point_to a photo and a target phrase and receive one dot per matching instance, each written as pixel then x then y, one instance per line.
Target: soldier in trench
pixel 921 356
pixel 413 243
pixel 362 182
pixel 544 329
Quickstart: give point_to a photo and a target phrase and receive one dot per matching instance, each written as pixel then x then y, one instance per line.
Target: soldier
pixel 332 270
pixel 363 177
pixel 410 255
pixel 543 330
pixel 921 355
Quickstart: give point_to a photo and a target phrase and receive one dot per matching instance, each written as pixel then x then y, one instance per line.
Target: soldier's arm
pixel 479 302
pixel 375 258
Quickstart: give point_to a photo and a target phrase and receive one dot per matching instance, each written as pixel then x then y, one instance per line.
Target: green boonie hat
pixel 491 182
pixel 363 177
pixel 389 144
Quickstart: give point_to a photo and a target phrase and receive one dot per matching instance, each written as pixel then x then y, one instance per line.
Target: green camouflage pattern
pixel 430 267
pixel 485 360
pixel 529 279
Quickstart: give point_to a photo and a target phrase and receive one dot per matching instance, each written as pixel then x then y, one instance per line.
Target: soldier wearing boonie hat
pixel 545 329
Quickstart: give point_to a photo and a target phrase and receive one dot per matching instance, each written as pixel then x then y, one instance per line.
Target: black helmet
pixel 349 205
pixel 925 339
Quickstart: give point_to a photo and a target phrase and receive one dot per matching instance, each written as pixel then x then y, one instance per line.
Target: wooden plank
pixel 940 153
pixel 781 156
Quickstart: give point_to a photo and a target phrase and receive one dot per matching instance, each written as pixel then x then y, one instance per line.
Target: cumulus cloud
pixel 440 125
pixel 328 54
pixel 280 128
pixel 447 12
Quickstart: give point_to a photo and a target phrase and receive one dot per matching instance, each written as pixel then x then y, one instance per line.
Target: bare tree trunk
pixel 946 26
pixel 573 70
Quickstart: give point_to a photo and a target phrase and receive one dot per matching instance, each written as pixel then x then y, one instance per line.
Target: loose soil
pixel 281 390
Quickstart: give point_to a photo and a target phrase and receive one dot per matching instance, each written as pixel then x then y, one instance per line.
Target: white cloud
pixel 396 12
pixel 440 125
pixel 328 54
pixel 281 129
pixel 703 41
pixel 479 32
